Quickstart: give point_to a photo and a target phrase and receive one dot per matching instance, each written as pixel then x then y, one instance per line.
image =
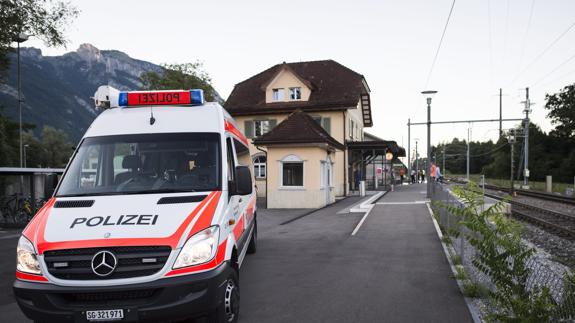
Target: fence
pixel 543 272
pixel 22 192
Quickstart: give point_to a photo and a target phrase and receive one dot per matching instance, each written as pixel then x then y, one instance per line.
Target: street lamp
pixel 428 95
pixel 25 147
pixel 20 38
pixel 416 162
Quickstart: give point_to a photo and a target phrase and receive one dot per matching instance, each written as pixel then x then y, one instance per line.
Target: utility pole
pixel 511 140
pixel 409 147
pixel 526 140
pixel 500 112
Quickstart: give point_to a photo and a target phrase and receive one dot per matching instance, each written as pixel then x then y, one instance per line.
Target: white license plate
pixel 105 315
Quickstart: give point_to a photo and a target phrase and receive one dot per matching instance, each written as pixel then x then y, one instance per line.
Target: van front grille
pixel 76 264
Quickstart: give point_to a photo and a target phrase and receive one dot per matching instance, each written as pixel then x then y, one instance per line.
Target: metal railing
pixel 23 191
pixel 543 272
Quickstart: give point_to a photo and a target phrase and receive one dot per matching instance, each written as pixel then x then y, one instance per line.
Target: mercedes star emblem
pixel 104 263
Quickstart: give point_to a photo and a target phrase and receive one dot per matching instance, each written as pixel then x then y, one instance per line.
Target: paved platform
pixel 314 270
pixel 417 281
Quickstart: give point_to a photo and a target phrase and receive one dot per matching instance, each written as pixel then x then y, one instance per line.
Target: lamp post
pixel 428 96
pixel 25 147
pixel 416 162
pixel 20 38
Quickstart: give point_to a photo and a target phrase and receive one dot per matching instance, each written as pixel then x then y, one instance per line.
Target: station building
pixel 306 123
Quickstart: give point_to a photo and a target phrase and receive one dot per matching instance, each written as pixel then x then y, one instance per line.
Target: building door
pixel 326 178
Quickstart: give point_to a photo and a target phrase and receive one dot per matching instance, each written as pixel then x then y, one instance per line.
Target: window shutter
pixel 272 123
pixel 249 128
pixel 326 124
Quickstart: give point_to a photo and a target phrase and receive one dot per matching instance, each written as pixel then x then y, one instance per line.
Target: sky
pixel 489 44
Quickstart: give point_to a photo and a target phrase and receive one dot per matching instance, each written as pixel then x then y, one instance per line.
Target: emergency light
pixel 147 98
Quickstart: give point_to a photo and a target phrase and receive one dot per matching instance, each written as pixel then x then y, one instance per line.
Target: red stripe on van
pixel 30 277
pixel 205 219
pixel 171 240
pixel 235 131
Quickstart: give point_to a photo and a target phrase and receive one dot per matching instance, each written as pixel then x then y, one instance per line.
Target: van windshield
pixel 144 163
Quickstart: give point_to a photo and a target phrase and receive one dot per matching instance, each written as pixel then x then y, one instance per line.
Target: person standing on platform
pixel 401 174
pixel 413 176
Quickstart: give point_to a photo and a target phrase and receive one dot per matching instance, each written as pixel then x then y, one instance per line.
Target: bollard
pixel 361 188
pixel 549 184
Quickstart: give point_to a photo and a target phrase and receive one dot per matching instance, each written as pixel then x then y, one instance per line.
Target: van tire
pixel 229 309
pixel 253 246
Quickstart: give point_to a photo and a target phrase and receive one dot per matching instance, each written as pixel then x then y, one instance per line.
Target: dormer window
pixel 278 94
pixel 295 93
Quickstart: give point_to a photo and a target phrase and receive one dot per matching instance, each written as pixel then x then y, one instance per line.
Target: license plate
pixel 105 315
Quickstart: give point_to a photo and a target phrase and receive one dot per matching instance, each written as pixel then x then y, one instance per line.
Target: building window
pixel 351 128
pixel 278 94
pixel 292 174
pixel 261 127
pixel 256 128
pixel 324 122
pixel 295 93
pixel 260 167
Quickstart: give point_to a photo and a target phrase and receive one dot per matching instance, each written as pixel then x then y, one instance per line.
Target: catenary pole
pixel 468 139
pixel 526 140
pixel 500 112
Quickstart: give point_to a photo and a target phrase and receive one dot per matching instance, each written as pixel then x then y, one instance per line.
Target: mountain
pixel 57 89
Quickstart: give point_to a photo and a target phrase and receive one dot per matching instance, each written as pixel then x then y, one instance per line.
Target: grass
pixel 460 273
pixel 474 290
pixel 536 186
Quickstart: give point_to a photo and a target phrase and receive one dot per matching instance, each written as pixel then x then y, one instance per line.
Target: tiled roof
pixel 334 87
pixel 298 128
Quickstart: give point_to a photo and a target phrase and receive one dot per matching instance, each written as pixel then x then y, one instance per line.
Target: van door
pixel 237 203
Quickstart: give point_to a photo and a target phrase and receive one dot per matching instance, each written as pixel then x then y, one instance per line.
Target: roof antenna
pixel 152 119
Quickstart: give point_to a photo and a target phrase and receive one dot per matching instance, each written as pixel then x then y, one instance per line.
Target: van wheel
pixel 229 309
pixel 253 246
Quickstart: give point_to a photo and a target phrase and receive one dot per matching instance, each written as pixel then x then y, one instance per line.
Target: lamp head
pixel 429 94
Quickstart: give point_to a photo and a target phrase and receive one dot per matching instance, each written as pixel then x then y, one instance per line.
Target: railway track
pixel 540 195
pixel 555 222
pixel 561 224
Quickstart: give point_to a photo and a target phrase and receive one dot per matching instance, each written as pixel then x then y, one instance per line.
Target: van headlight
pixel 26 259
pixel 200 248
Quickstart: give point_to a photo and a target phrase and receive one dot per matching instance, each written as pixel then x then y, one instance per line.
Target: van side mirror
pixel 243 183
pixel 50 183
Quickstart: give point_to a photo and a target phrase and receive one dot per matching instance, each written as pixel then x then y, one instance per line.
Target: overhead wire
pixel 526 34
pixel 542 53
pixel 554 70
pixel 439 45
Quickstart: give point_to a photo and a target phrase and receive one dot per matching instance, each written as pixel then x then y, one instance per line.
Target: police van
pixel 151 220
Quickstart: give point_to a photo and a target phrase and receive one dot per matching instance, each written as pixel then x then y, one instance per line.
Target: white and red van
pixel 151 220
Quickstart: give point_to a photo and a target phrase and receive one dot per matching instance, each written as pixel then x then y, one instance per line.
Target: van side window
pixel 243 153
pixel 231 160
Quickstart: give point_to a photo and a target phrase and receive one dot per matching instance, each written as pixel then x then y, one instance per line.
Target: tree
pixel 45 19
pixel 56 147
pixel 561 108
pixel 180 76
